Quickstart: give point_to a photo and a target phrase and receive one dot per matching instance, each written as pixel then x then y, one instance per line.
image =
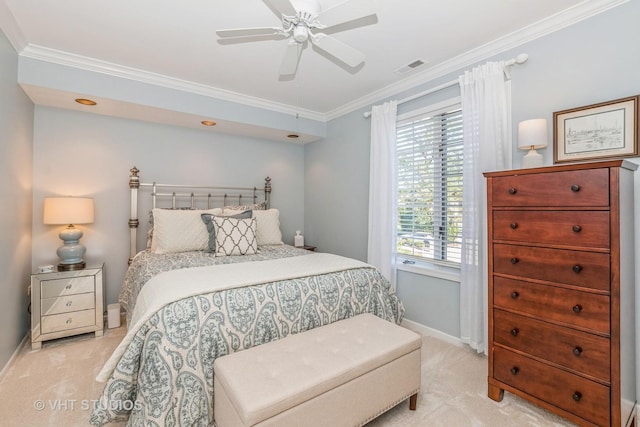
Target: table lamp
pixel 70 211
pixel 532 135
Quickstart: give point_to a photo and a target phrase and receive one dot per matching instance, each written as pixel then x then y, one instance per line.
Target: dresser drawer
pixel 571 307
pixel 65 321
pixel 68 303
pixel 579 268
pixel 584 398
pixel 579 351
pixel 573 228
pixel 569 188
pixel 72 285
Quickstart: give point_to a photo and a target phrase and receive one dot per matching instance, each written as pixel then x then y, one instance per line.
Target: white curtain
pixel 486 112
pixel 382 190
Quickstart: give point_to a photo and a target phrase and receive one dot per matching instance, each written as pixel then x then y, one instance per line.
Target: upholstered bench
pixel 342 374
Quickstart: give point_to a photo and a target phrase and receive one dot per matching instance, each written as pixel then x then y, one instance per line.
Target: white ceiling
pixel 176 40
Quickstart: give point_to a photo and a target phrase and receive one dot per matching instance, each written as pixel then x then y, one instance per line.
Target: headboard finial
pixel 134 179
pixel 267 185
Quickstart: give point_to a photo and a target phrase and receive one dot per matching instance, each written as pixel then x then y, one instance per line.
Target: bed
pixel 211 281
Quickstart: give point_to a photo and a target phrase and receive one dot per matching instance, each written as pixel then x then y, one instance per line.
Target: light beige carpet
pixel 55 386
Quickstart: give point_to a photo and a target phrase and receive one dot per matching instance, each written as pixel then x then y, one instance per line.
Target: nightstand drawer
pixel 581 352
pixel 72 285
pixel 587 399
pixel 65 321
pixel 68 303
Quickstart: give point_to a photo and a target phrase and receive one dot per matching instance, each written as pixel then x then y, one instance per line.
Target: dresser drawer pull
pixel 576 228
pixel 68 304
pixel 577 351
pixel 514 260
pixel 515 294
pixel 515 332
pixel 513 225
pixel 68 322
pixel 514 370
pixel 577 268
pixel 512 190
pixel 577 396
pixel 577 308
pixel 575 188
pixel 69 286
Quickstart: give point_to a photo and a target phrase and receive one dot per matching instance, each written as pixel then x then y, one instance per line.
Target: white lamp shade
pixel 68 210
pixel 532 134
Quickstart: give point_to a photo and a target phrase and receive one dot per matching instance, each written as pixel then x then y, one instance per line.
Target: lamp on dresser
pixel 532 136
pixel 70 211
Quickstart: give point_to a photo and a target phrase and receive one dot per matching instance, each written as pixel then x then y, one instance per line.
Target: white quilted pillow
pixel 268 232
pixel 180 230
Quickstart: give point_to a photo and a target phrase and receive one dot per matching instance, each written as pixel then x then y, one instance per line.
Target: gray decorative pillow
pixel 208 220
pixel 235 236
pixel 254 207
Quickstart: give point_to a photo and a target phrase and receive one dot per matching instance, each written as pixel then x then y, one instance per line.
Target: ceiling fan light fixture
pixel 300 33
pixel 85 101
pixel 208 123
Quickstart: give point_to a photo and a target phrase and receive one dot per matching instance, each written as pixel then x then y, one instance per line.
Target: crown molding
pixel 10 28
pixel 551 24
pixel 46 54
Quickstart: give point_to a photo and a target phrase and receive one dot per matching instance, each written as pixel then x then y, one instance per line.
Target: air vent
pixel 411 66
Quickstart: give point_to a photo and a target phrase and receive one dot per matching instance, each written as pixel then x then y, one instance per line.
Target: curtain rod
pixel 520 59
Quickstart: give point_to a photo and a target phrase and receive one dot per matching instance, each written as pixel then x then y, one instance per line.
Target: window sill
pixel 431 270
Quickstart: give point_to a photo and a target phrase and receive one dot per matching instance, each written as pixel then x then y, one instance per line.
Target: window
pixel 430 152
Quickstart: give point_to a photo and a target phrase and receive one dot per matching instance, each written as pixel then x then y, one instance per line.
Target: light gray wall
pixel 84 154
pixel 592 61
pixel 16 124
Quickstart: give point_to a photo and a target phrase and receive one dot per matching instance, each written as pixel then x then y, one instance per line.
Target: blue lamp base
pixel 71 252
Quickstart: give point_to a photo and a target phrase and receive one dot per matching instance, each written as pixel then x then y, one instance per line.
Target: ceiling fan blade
pixel 247 32
pixel 283 7
pixel 341 51
pixel 291 58
pixel 347 11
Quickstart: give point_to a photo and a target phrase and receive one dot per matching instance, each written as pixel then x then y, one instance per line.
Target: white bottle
pixel 298 239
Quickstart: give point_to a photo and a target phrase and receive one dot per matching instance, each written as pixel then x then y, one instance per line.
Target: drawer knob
pixel 514 370
pixel 577 351
pixel 577 396
pixel 515 294
pixel 576 228
pixel 513 225
pixel 514 260
pixel 512 190
pixel 577 268
pixel 575 188
pixel 515 332
pixel 577 308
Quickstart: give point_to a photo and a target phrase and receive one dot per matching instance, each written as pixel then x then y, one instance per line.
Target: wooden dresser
pixel 561 289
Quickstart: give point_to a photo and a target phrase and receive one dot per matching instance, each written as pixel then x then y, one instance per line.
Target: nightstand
pixel 309 248
pixel 65 303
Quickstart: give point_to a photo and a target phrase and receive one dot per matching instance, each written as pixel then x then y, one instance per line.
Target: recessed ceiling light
pixel 208 122
pixel 293 136
pixel 84 101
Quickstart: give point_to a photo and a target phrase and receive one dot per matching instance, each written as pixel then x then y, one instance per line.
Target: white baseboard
pixel 13 356
pixel 425 330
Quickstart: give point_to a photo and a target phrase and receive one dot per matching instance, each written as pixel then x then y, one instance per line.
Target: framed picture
pixel 598 131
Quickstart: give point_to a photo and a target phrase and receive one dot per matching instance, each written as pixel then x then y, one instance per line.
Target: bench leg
pixel 413 401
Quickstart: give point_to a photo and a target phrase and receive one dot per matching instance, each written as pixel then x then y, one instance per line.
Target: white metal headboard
pixel 189 196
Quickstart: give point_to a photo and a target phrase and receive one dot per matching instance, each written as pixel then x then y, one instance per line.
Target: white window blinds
pixel 430 155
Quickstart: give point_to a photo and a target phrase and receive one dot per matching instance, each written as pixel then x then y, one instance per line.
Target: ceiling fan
pixel 305 22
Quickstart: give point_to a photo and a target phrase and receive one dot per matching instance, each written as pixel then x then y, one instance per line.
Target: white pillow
pixel 179 230
pixel 235 236
pixel 268 232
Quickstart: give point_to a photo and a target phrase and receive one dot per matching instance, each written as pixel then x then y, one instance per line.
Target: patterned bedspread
pixel 165 376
